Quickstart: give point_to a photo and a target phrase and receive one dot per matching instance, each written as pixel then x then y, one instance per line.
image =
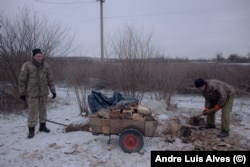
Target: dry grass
pixel 162 78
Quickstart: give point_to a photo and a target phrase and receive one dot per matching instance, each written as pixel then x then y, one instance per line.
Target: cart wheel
pixel 131 140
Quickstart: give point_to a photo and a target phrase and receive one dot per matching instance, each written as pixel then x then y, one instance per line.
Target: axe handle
pixel 199 115
pixel 55 122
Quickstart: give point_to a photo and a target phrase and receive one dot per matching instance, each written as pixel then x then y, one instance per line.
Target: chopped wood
pixel 143 110
pixel 114 114
pixel 185 131
pixel 196 120
pixel 170 138
pixel 138 117
pixel 126 114
pixel 73 151
pixel 192 127
pixel 103 113
pixel 174 127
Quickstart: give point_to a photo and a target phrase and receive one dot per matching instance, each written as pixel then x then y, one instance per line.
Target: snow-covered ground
pixel 79 148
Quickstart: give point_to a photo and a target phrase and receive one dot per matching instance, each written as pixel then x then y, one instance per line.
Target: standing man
pixel 218 95
pixel 34 82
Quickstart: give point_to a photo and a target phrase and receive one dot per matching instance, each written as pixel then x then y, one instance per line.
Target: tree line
pixel 138 68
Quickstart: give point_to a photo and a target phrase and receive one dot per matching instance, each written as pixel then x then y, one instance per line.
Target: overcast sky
pixel 181 28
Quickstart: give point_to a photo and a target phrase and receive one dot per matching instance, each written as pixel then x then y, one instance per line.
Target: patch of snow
pixel 81 148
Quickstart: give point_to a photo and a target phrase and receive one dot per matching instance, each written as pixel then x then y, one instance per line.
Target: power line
pixel 182 12
pixel 64 3
pixel 72 6
pixel 76 2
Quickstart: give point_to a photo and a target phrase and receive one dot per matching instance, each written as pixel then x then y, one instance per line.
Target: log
pixel 103 113
pixel 173 127
pixel 143 110
pixel 115 114
pixel 138 117
pixel 127 114
pixel 196 120
pixel 185 131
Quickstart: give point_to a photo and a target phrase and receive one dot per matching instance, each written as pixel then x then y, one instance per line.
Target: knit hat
pixel 35 51
pixel 199 82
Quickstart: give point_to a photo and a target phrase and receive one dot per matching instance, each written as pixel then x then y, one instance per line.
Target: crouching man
pixel 34 82
pixel 218 95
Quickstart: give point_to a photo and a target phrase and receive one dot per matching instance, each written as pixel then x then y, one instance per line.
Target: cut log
pixel 103 113
pixel 143 110
pixel 127 114
pixel 115 114
pixel 196 120
pixel 185 131
pixel 138 117
pixel 173 127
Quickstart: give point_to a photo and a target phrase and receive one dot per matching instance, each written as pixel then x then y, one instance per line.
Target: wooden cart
pixel 131 131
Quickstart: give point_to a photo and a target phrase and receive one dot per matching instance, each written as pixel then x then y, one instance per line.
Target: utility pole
pixel 101 29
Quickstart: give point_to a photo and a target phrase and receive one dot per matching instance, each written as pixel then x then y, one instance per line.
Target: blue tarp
pixel 98 101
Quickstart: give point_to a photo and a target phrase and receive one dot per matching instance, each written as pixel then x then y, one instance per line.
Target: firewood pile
pixel 188 130
pixel 132 112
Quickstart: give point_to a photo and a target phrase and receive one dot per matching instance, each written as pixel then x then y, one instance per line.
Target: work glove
pixel 22 97
pixel 54 95
pixel 205 111
pixel 217 107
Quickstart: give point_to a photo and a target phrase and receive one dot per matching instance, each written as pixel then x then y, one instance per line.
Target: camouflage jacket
pixel 217 92
pixel 36 81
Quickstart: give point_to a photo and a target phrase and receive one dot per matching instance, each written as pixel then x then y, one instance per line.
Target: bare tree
pixel 80 73
pixel 132 49
pixel 166 79
pixel 19 35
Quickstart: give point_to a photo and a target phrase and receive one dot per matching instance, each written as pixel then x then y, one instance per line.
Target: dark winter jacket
pixel 35 81
pixel 217 93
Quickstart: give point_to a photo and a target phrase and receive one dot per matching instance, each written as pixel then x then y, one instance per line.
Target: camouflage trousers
pixel 225 115
pixel 36 109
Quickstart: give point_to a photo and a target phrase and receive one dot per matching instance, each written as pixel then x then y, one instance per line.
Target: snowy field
pixel 82 149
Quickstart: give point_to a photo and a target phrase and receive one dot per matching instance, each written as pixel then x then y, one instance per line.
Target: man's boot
pixel 43 128
pixel 223 134
pixel 31 132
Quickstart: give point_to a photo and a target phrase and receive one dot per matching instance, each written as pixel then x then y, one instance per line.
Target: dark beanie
pixel 35 51
pixel 199 82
